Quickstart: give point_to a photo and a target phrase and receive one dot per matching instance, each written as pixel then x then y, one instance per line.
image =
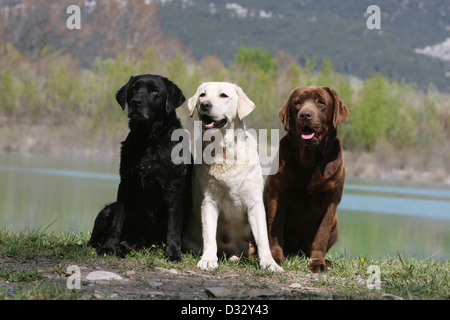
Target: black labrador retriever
pixel 154 192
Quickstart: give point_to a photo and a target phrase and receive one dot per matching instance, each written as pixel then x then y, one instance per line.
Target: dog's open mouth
pixel 309 134
pixel 209 123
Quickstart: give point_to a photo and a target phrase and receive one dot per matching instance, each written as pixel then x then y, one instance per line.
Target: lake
pixel 377 218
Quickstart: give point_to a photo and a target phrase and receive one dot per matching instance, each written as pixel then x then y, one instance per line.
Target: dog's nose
pixel 205 106
pixel 137 101
pixel 306 114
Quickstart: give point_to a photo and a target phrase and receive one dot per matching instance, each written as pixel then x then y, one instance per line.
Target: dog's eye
pixel 134 90
pixel 202 95
pixel 223 95
pixel 298 102
pixel 322 102
pixel 155 91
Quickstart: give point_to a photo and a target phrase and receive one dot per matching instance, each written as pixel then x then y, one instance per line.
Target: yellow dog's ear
pixel 192 102
pixel 245 105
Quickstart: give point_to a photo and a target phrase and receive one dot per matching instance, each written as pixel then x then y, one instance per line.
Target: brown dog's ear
pixel 175 97
pixel 121 95
pixel 284 115
pixel 284 112
pixel 341 112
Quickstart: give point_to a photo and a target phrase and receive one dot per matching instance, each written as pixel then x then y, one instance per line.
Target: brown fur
pixel 302 197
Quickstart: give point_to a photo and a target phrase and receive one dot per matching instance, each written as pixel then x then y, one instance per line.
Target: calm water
pixel 376 218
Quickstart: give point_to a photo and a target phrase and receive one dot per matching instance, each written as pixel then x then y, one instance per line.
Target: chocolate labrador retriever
pixel 154 192
pixel 302 197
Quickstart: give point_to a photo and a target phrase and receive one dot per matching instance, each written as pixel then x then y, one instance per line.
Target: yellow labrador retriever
pixel 227 188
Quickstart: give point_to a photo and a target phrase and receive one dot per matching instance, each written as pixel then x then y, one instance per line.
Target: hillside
pixel 321 29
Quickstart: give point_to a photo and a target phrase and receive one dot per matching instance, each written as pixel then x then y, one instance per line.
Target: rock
pixel 361 281
pixel 254 293
pixel 391 296
pixel 99 294
pixel 155 284
pixel 102 275
pixel 156 293
pixel 173 271
pixel 234 259
pixel 295 286
pixel 217 292
pixel 192 272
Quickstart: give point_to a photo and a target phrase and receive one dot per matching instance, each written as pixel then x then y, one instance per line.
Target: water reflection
pixel 376 218
pixel 435 209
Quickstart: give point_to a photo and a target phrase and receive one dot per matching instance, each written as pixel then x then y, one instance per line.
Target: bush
pixel 384 115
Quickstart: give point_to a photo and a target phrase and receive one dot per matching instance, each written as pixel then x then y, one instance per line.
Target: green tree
pixel 255 58
pixel 255 70
pixel 7 93
pixel 374 113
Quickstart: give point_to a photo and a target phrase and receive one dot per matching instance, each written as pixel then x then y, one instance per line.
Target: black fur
pixel 154 193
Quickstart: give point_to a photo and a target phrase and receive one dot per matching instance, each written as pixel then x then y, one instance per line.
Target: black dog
pixel 154 193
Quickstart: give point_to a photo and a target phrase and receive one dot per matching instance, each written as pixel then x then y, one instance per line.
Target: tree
pixel 374 113
pixel 256 58
pixel 114 27
pixel 34 26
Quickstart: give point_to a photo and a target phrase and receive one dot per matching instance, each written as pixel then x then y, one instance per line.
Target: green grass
pixel 43 291
pixel 19 276
pixel 406 277
pixel 42 243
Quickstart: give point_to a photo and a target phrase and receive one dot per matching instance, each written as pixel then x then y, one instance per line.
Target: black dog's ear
pixel 175 97
pixel 121 95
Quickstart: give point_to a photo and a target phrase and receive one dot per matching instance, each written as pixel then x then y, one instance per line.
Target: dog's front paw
pixel 270 265
pixel 320 265
pixel 173 254
pixel 277 254
pixel 106 251
pixel 207 264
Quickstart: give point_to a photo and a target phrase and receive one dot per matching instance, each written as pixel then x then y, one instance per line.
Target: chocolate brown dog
pixel 302 197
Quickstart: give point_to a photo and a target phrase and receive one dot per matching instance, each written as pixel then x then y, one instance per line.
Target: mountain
pixel 320 28
pixel 440 50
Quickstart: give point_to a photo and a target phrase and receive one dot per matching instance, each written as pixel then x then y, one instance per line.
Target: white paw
pixel 207 264
pixel 270 265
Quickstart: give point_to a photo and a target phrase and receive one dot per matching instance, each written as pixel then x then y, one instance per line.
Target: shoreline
pixel 69 142
pixel 370 171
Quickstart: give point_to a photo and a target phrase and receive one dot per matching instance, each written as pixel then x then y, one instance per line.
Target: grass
pixel 406 277
pixel 20 276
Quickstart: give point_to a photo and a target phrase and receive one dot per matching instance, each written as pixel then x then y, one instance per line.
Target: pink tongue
pixel 307 136
pixel 209 125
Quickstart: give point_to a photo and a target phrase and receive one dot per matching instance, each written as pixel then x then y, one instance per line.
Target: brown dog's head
pixel 311 112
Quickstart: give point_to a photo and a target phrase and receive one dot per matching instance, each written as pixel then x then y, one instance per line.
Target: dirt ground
pixel 164 283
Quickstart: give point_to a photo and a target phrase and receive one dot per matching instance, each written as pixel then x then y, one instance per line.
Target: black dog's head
pixel 149 96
